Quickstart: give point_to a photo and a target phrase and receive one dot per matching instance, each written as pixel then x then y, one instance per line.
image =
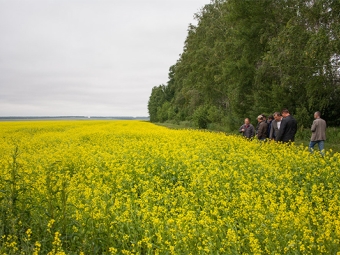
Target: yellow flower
pixel 50 225
pixel 134 187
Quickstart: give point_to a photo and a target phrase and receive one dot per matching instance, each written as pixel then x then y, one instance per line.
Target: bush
pixel 215 114
pixel 163 112
pixel 200 117
pixel 303 117
pixel 171 113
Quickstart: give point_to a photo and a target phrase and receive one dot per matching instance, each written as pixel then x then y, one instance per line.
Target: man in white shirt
pixel 275 127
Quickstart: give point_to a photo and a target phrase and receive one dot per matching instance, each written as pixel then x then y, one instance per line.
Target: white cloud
pixel 88 57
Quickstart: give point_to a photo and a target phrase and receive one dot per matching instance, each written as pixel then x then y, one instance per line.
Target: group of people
pixel 282 127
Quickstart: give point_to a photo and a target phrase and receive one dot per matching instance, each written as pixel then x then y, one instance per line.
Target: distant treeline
pixel 72 118
pixel 245 58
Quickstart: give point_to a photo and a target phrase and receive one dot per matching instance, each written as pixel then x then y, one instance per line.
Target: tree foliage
pixel 244 58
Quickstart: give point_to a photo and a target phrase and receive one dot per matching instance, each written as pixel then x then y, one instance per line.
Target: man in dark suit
pixel 263 126
pixel 288 128
pixel 275 127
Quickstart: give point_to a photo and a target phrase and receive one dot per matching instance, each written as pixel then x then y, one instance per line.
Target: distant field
pixel 131 187
pixel 20 118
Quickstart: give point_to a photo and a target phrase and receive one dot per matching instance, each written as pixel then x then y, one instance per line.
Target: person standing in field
pixel 275 126
pixel 318 133
pixel 247 129
pixel 288 127
pixel 263 126
pixel 258 123
pixel 269 122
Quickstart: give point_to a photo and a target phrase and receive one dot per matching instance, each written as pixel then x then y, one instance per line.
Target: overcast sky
pixel 88 57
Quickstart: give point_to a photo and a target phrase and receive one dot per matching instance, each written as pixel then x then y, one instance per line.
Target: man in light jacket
pixel 318 133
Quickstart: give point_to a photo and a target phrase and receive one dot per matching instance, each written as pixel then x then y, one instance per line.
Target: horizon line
pixel 72 116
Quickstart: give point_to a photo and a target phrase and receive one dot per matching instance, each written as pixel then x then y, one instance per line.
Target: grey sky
pixel 88 57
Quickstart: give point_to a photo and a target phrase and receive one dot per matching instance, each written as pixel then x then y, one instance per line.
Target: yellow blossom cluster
pixel 131 187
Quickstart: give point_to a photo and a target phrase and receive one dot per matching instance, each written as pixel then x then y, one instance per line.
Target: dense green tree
pixel 298 70
pixel 244 58
pixel 156 100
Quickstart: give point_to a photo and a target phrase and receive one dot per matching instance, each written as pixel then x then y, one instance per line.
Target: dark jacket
pixel 287 130
pixel 262 131
pixel 270 123
pixel 249 131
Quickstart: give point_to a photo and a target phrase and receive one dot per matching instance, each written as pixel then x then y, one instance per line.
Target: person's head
pixel 270 117
pixel 260 118
pixel 285 113
pixel 246 121
pixel 277 116
pixel 317 115
pixel 264 116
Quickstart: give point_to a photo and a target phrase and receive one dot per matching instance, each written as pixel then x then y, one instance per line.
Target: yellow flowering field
pixel 130 187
